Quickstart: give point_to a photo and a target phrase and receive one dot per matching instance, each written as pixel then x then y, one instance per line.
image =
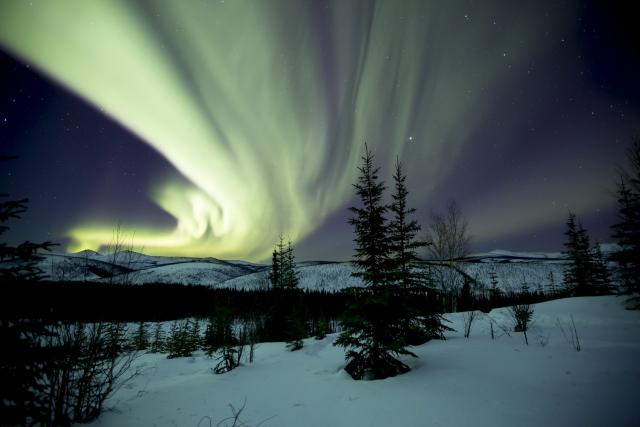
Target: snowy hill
pixel 458 382
pixel 513 270
pixel 137 268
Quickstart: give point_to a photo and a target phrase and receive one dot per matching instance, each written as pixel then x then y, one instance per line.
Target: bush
pixel 68 371
pixel 522 315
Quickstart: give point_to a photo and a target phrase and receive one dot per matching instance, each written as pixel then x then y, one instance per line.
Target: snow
pixel 329 276
pixel 500 253
pixel 189 273
pixel 512 270
pixel 458 382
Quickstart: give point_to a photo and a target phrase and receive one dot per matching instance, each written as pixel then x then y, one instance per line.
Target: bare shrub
pixel 230 354
pixel 233 420
pixel 82 372
pixel 229 357
pixel 492 327
pixel 468 319
pixel 506 330
pixel 522 315
pixel 570 332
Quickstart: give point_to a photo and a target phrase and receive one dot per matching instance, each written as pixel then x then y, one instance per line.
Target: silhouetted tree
pixel 601 278
pixel 627 230
pixel 141 338
pixel 23 359
pixel 449 242
pixel 157 342
pixel 372 327
pixel 418 324
pixel 275 274
pixel 578 274
pixel 179 342
pixel 402 235
pixel 289 274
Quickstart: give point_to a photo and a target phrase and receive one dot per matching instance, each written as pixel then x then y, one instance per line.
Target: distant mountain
pixel 513 270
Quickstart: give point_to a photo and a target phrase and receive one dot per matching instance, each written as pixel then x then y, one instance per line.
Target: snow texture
pixel 458 382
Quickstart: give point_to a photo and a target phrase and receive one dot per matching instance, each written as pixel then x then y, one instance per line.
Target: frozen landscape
pixel 512 270
pixel 460 381
pixel 319 213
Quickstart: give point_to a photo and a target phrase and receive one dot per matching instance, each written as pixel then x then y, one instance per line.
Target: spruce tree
pixel 627 230
pixel 552 283
pixel 578 274
pixel 141 339
pixel 402 235
pixel 274 274
pixel 601 277
pixel 418 325
pixel 372 327
pixel 24 359
pixel 289 274
pixel 157 344
pixel 494 290
pixel 295 319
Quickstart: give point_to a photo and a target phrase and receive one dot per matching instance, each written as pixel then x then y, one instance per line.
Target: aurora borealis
pixel 262 108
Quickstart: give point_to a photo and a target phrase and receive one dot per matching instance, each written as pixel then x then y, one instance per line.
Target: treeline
pixel 92 302
pixel 95 302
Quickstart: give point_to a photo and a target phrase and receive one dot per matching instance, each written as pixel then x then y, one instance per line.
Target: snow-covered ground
pixel 458 382
pixel 536 270
pixel 330 276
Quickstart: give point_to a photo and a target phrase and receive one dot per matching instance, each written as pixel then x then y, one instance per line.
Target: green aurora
pixel 263 107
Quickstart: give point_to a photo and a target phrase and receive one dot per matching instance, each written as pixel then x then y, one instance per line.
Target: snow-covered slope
pixel 137 268
pixel 458 382
pixel 329 276
pixel 188 273
pixel 512 270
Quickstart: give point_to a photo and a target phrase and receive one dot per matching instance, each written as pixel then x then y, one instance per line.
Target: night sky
pixel 210 127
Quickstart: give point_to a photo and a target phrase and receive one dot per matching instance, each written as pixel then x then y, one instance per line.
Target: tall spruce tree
pixel 276 275
pixel 24 359
pixel 419 325
pixel 372 325
pixel 601 278
pixel 289 274
pixel 627 230
pixel 141 338
pixel 578 276
pixel 402 235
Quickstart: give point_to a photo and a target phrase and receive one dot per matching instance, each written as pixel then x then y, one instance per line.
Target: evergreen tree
pixel 552 283
pixel 296 330
pixel 157 344
pixel 418 325
pixel 141 339
pixel 218 332
pixel 578 274
pixel 289 275
pixel 402 235
pixel 274 274
pixel 627 230
pixel 195 341
pixel 24 358
pixel 179 343
pixel 601 278
pixel 116 339
pixel 280 264
pixel 494 290
pixel 370 227
pixel 372 327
